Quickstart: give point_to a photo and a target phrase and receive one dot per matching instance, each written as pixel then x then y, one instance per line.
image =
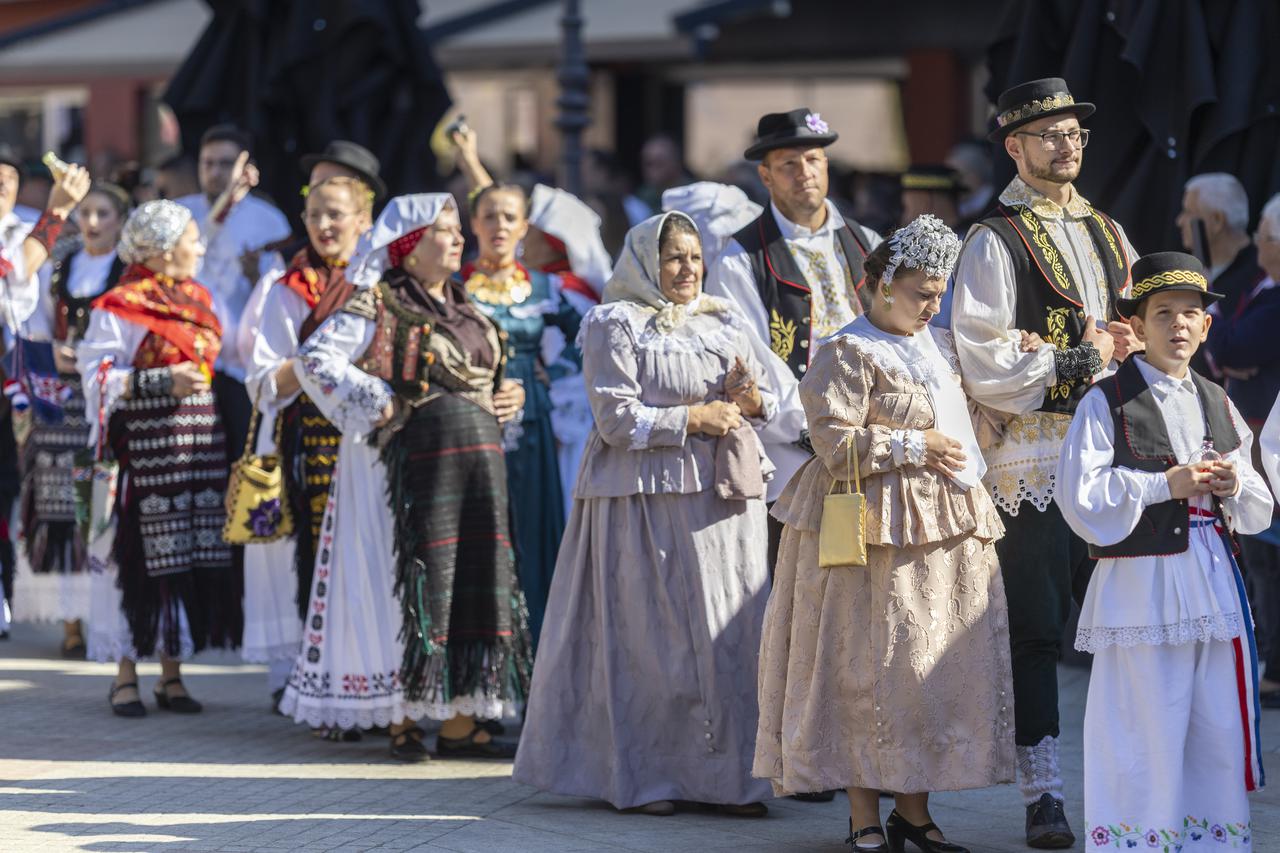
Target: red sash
pixel 179 313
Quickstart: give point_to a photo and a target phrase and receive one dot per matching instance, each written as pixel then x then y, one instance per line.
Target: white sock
pixel 278 674
pixel 1038 771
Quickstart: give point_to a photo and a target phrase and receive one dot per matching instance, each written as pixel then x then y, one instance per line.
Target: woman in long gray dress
pixel 644 688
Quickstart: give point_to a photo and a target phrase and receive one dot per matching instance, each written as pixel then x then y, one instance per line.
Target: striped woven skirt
pixel 465 626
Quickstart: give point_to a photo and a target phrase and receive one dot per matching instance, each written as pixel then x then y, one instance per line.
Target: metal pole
pixel 575 98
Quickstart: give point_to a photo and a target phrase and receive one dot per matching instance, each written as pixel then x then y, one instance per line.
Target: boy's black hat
pixel 1162 272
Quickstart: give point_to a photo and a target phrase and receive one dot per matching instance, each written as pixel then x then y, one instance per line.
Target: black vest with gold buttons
pixel 1049 300
pixel 1142 444
pixel 783 290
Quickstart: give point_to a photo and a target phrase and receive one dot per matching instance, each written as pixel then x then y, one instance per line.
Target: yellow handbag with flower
pixel 257 508
pixel 842 534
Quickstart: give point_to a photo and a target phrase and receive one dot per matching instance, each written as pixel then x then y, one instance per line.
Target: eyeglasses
pixel 1053 140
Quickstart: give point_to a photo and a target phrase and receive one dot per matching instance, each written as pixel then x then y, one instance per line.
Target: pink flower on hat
pixel 815 123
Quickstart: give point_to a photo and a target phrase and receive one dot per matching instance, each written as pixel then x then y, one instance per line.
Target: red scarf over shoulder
pixel 179 312
pixel 323 286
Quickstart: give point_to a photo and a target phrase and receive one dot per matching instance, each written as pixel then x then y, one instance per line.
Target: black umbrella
pixel 1182 87
pixel 299 73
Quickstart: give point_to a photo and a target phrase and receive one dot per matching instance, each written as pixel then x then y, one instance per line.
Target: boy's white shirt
pixel 1158 599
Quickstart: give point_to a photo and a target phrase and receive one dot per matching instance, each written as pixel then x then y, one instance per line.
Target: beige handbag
pixel 842 535
pixel 257 510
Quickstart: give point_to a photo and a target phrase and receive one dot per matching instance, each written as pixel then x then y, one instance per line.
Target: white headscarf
pixel 403 214
pixel 719 211
pixel 636 277
pixel 568 218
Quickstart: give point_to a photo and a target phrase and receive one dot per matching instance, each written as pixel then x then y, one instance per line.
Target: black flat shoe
pixel 177 704
pixel 74 651
pixel 276 697
pixel 852 840
pixel 407 746
pixel 1047 827
pixel 815 796
pixel 897 832
pixel 495 728
pixel 126 709
pixel 467 747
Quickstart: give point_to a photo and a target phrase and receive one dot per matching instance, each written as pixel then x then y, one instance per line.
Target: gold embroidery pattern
pixel 1111 240
pixel 1163 279
pixel 782 335
pixel 1044 105
pixel 1041 238
pixel 1056 323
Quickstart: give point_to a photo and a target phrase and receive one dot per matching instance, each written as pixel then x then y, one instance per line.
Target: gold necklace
pixel 512 291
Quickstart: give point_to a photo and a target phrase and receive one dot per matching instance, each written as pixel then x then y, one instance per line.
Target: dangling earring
pixel 411 261
pixel 886 295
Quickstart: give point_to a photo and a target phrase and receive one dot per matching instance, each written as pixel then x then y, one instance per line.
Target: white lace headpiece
pixel 926 243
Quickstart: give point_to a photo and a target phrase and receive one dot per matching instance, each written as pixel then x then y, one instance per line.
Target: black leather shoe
pixel 126 709
pixel 407 746
pixel 815 796
pixel 898 831
pixel 177 704
pixel 1047 827
pixel 852 840
pixel 467 747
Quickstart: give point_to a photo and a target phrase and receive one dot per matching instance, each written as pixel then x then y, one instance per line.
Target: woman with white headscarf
pixel 146 362
pixel 415 609
pixel 644 692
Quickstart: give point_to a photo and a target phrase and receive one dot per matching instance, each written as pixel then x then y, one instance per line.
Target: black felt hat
pixel 1035 100
pixel 352 156
pixel 800 127
pixel 932 178
pixel 1163 272
pixel 10 156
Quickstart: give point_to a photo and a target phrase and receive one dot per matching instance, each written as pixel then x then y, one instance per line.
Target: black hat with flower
pixel 801 128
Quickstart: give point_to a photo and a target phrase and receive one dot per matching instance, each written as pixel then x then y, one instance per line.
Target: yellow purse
pixel 257 508
pixel 842 535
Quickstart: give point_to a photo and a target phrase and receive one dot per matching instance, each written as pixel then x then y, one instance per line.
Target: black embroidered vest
pixel 1142 444
pixel 1049 300
pixel 72 318
pixel 783 290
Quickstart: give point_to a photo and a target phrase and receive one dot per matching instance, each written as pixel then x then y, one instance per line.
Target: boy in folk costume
pixel 1156 475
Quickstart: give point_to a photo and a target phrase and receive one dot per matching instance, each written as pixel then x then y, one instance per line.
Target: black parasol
pixel 299 73
pixel 1182 87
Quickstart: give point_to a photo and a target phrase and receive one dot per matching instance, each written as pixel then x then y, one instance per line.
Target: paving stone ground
pixel 237 778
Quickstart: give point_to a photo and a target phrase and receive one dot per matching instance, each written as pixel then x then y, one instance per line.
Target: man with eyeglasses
pixel 1042 260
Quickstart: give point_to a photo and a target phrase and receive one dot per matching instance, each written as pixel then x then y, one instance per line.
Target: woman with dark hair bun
pixel 644 692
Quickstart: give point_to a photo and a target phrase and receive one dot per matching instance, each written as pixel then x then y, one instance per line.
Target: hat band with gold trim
pixel 1166 278
pixel 928 182
pixel 1034 108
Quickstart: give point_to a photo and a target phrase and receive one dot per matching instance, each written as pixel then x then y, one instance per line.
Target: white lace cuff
pixel 640 433
pixel 907 446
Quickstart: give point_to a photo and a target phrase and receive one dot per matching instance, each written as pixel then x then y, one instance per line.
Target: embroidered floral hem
pixel 1224 836
pixel 1202 629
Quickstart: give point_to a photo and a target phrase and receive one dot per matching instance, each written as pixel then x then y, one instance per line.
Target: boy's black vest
pixel 783 289
pixel 1049 299
pixel 1142 444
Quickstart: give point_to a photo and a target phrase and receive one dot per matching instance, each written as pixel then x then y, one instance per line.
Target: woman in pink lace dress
pixel 895 675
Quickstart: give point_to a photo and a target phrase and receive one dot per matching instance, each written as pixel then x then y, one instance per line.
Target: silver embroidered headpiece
pixel 151 230
pixel 926 243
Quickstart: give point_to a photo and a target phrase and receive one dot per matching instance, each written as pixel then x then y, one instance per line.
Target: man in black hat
pixel 1043 260
pixel 25 247
pixel 796 272
pixel 932 189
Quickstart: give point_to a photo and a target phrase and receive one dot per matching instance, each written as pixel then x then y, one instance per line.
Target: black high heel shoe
pixel 177 704
pixel 898 831
pixel 870 830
